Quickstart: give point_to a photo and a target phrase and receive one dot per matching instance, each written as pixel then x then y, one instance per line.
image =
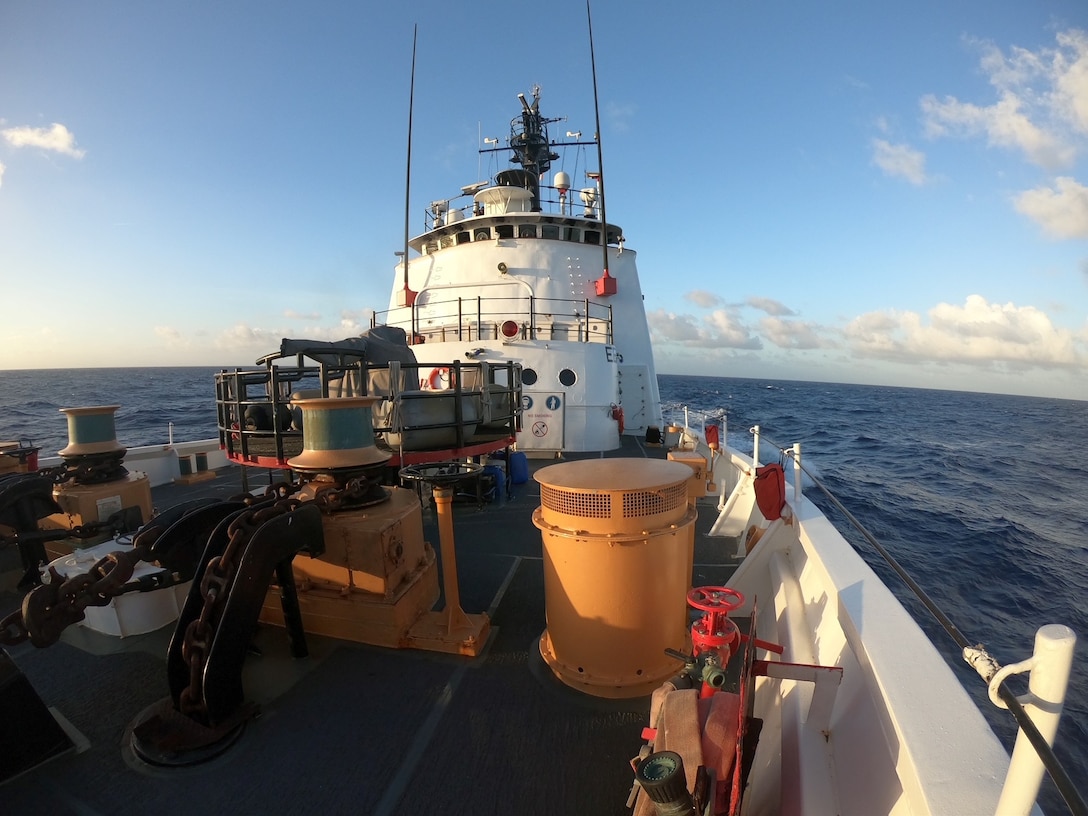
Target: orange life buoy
pixel 439 379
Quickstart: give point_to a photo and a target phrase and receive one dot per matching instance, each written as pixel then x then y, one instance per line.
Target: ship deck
pixel 354 728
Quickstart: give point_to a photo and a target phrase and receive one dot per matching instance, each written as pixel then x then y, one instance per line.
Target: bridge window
pixel 482 234
pixel 549 231
pixel 463 237
pixel 593 237
pixel 505 230
pixel 527 231
pixel 571 234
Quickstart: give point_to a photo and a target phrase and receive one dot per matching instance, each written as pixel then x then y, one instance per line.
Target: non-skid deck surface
pixel 356 729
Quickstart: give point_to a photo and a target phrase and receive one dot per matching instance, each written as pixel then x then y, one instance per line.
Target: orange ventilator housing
pixel 618 539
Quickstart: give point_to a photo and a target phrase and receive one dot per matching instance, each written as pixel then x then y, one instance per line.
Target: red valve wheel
pixel 715 599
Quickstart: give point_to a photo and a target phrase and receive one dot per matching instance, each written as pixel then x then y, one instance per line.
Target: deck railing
pixel 480 318
pixel 258 425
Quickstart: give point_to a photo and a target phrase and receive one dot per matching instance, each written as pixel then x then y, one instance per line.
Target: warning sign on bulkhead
pixel 542 421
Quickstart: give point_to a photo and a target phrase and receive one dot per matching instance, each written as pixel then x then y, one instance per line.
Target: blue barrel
pixel 519 468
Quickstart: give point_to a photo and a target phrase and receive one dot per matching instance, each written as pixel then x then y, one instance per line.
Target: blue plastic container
pixel 519 468
pixel 499 475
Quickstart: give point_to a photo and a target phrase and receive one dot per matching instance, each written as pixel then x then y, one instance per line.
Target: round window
pixel 568 377
pixel 528 377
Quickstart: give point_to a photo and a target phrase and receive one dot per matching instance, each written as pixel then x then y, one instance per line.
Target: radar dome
pixel 562 181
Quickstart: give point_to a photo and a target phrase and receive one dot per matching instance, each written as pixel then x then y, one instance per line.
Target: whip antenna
pixel 604 286
pixel 409 296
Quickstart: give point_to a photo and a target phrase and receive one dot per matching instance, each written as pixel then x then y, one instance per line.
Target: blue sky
pixel 851 192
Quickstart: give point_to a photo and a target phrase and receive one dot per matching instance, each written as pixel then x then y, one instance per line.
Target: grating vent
pixel 644 503
pixel 583 505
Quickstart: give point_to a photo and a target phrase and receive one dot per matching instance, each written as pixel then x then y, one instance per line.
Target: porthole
pixel 567 377
pixel 528 376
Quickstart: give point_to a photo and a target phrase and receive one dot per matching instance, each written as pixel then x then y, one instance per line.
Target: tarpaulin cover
pixel 379 346
pixel 771 491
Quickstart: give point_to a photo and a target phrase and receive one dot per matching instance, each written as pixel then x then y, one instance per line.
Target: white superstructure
pixel 516 270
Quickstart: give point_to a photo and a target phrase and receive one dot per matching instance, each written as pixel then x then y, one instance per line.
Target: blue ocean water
pixel 150 400
pixel 981 497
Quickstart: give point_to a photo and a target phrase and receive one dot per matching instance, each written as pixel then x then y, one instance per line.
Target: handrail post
pixel 755 446
pixel 796 474
pixel 458 409
pixel 1051 662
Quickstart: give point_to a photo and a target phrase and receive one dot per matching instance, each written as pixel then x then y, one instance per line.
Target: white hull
pixel 900 734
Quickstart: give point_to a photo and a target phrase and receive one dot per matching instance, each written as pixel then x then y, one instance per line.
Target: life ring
pixel 439 379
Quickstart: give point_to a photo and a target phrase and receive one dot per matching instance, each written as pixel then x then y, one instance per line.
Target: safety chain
pixel 214 588
pixel 48 609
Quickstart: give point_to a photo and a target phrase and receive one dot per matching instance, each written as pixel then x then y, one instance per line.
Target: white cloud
pixel 1061 210
pixel 1004 125
pixel 247 339
pixel 1071 78
pixel 56 138
pixel 2 169
pixel 1041 107
pixel 794 334
pixel 900 160
pixel 356 316
pixel 720 329
pixel 731 332
pixel 291 314
pixel 171 335
pixel 978 333
pixel 703 299
pixel 770 306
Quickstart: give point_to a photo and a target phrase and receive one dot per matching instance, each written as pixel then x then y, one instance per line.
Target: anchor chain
pixel 214 589
pixel 48 609
pixel 357 492
pixel 89 471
